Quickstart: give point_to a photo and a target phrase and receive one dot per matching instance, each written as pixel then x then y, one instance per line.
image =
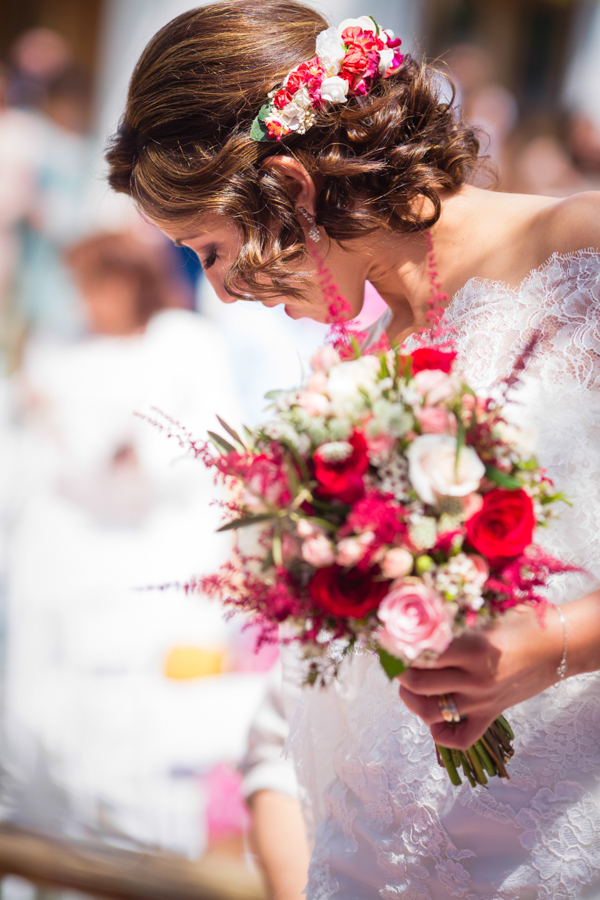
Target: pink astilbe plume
pixel 345 337
pixel 174 430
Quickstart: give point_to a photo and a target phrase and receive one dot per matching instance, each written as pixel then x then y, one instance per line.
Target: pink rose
pixel 380 445
pixel 434 384
pixel 436 420
pixel 396 563
pixel 318 551
pixel 325 358
pixel 414 621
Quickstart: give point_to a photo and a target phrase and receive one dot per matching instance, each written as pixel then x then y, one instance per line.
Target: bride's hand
pixel 486 672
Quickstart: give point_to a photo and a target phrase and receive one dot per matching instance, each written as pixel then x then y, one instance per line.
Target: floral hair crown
pixel 349 60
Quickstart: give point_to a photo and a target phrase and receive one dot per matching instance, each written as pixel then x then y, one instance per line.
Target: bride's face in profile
pixel 217 242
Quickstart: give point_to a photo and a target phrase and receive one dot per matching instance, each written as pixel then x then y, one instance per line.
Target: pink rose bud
pixel 308 529
pixel 436 420
pixel 314 404
pixel 396 563
pixel 481 567
pixel 351 550
pixel 325 358
pixel 414 620
pixel 472 504
pixel 318 382
pixel 380 445
pixel 318 551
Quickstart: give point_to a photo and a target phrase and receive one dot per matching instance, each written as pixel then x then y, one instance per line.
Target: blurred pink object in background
pixel 373 308
pixel 226 812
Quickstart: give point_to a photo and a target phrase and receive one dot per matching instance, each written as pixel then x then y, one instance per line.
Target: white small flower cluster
pixel 461 580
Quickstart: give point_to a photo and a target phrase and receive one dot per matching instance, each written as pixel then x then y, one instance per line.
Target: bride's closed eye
pixel 209 260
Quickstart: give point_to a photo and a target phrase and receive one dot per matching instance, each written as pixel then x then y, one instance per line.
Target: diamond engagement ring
pixel 450 713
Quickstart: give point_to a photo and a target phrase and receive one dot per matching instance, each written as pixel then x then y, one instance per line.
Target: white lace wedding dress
pixel 386 821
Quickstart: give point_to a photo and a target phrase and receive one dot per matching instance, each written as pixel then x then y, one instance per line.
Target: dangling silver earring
pixel 313 231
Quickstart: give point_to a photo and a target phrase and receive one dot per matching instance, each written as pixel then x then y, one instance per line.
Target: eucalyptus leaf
pixel 231 432
pixel 245 520
pixel 220 443
pixel 501 478
pixel 391 665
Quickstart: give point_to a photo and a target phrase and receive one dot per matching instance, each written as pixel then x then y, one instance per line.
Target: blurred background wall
pixel 123 712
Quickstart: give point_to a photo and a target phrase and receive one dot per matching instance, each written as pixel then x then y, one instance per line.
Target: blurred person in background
pixel 583 140
pixel 126 708
pixel 46 154
pixel 485 103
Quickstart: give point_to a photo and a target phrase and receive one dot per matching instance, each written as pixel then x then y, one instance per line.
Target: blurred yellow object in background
pixel 190 661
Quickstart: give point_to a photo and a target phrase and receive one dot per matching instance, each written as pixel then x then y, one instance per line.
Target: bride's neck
pixel 479 233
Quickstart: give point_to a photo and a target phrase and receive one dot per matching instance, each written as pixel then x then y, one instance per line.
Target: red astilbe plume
pixel 518 581
pixel 376 512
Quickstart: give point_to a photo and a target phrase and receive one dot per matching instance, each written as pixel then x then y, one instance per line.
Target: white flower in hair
pixel 386 58
pixel 330 50
pixel 334 89
pixel 364 22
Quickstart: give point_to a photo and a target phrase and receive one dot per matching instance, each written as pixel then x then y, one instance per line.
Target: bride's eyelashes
pixel 210 260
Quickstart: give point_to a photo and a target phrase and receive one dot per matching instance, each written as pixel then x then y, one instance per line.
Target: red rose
pixel 343 479
pixel 504 525
pixel 282 98
pixel 355 62
pixel 347 592
pixel 432 358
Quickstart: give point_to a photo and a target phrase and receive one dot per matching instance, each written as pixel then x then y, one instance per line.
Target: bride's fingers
pixel 463 736
pixel 428 708
pixel 437 681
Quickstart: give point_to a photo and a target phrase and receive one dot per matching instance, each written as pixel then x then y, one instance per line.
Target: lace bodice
pixel 386 821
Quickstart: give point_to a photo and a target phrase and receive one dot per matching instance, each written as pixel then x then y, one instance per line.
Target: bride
pixel 359 169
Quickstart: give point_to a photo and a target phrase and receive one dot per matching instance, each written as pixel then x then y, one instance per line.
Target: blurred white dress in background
pixel 103 504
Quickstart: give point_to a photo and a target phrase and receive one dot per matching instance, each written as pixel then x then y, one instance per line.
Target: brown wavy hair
pixel 183 147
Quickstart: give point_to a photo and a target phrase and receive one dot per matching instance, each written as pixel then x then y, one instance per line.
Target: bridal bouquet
pixel 386 507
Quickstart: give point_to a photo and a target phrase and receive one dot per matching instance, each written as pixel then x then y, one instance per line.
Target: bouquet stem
pixel 488 756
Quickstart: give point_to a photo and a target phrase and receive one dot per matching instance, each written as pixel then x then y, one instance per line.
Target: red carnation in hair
pixel 347 592
pixel 343 479
pixel 432 358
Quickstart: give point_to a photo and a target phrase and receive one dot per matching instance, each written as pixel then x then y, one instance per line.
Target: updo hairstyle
pixel 183 148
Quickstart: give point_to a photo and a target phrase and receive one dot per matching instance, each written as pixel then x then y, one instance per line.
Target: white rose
pixel 386 58
pixel 433 471
pixel 330 50
pixel 346 379
pixel 294 114
pixel 334 89
pixel 364 22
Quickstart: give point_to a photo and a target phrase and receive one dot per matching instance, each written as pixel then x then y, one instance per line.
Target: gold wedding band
pixel 450 713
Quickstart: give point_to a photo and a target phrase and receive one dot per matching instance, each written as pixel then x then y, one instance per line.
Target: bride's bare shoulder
pixel 571 224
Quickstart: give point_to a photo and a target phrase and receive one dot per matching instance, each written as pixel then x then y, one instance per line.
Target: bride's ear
pixel 301 185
